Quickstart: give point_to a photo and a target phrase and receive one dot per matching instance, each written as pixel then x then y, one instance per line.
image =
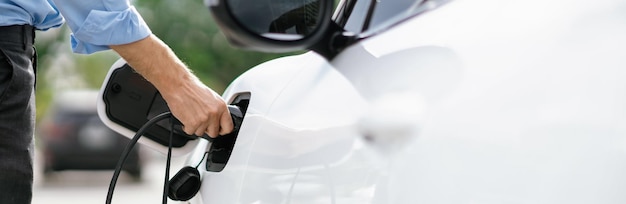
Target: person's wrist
pixel 173 78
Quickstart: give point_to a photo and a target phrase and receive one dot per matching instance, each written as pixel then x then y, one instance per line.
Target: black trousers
pixel 17 113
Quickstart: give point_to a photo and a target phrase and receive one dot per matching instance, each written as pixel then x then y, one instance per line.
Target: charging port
pixel 222 147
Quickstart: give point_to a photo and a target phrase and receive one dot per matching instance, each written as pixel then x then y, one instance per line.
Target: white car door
pixel 475 102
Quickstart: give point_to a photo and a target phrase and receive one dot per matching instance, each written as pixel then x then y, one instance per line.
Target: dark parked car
pixel 71 136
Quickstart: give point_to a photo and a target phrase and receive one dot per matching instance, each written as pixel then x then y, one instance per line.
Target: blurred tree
pixel 58 68
pixel 187 27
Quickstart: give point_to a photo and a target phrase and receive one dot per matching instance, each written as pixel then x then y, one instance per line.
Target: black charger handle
pixel 235 114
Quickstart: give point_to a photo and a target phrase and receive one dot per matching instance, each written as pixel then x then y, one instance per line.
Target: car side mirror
pixel 272 25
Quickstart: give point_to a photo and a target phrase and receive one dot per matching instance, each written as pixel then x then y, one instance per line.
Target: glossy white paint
pixel 505 102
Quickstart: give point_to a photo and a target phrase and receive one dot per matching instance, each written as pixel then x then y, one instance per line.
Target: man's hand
pixel 198 107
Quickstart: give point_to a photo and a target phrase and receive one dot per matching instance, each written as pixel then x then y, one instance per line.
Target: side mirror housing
pixel 272 25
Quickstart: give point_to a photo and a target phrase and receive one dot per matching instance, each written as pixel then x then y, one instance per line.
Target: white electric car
pixel 422 101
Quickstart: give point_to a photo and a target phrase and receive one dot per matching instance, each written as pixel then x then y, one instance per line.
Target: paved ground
pixel 87 187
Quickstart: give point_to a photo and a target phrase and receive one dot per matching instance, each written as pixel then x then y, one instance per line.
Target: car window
pixel 388 9
pixel 354 19
pixel 359 16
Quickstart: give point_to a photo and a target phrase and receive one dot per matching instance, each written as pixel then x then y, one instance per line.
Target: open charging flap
pixel 127 101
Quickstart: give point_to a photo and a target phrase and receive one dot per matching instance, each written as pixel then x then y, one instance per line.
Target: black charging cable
pixel 168 162
pixel 184 179
pixel 129 147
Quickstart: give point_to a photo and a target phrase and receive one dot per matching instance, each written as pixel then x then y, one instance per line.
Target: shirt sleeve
pixel 95 26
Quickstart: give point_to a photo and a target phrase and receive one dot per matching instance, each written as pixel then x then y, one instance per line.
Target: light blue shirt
pixel 95 24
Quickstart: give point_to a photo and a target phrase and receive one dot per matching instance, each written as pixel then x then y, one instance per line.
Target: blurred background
pixel 75 152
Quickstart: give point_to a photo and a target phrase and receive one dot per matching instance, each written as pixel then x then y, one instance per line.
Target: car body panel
pixel 475 102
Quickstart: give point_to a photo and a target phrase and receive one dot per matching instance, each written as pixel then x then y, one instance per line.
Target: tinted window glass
pixel 383 13
pixel 357 17
pixel 267 17
pixel 388 9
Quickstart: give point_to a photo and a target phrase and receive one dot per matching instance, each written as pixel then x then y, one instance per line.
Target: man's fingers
pixel 189 130
pixel 201 130
pixel 213 130
pixel 204 117
pixel 226 123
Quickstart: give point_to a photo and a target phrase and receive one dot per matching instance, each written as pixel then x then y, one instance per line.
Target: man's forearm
pixel 156 62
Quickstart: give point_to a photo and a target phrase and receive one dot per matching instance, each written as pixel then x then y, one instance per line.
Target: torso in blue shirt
pixel 39 13
pixel 95 24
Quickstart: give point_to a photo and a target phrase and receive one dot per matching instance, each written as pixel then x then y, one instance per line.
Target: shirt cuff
pixel 104 28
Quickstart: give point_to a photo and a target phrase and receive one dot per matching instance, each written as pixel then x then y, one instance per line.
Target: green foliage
pixel 187 27
pixel 60 69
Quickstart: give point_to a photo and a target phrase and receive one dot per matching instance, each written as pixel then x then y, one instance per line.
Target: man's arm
pixel 102 24
pixel 198 107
